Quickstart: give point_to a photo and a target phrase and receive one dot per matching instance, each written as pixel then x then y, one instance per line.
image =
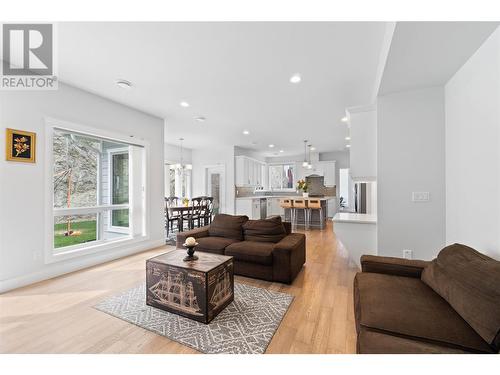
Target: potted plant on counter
pixel 303 186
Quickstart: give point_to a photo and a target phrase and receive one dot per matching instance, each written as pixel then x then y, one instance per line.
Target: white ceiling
pixel 234 74
pixel 426 54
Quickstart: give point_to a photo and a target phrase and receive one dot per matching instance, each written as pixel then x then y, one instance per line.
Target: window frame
pixel 111 153
pixel 282 165
pixel 53 255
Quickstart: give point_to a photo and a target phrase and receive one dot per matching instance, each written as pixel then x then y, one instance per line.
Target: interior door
pixel 215 177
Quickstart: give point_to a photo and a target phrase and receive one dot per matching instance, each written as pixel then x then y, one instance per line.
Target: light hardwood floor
pixel 56 316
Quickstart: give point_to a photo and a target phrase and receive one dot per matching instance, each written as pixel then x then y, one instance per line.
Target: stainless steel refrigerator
pixel 360 201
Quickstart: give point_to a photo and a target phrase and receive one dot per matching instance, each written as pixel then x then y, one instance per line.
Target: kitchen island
pixel 316 220
pixel 252 206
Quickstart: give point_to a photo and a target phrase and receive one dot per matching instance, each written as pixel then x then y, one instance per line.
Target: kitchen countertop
pixel 349 217
pixel 326 198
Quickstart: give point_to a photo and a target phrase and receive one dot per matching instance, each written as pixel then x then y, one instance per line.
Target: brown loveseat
pixel 262 249
pixel 449 305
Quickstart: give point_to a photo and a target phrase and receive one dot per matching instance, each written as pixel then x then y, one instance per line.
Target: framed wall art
pixel 20 146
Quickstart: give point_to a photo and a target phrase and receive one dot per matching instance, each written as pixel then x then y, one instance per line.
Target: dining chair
pixel 171 217
pixel 195 212
pixel 173 201
pixel 208 209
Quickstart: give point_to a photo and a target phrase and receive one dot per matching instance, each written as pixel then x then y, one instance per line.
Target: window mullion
pixel 88 210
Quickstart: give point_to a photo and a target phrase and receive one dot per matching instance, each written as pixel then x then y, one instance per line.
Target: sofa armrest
pixel 289 255
pixel 196 233
pixel 288 227
pixel 393 266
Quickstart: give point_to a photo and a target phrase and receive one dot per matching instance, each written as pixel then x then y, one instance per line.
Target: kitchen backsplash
pixel 242 192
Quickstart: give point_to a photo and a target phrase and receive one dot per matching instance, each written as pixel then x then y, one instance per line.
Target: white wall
pixel 363 151
pixel 22 206
pixel 473 151
pixel 411 157
pixel 241 151
pixel 173 154
pixel 211 156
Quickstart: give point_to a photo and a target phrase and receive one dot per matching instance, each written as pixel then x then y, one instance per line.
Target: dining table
pixel 181 210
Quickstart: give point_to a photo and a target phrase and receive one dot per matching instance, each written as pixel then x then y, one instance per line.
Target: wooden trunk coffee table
pixel 198 289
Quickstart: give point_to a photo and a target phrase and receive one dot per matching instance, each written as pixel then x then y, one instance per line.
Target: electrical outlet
pixel 407 254
pixel 420 196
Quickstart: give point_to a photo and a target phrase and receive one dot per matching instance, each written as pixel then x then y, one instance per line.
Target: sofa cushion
pixel 227 226
pixel 252 252
pixel 377 342
pixel 470 282
pixel 215 245
pixel 266 230
pixel 406 306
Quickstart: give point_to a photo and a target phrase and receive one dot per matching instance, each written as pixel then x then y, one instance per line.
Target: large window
pixel 281 176
pixel 119 187
pixel 177 181
pixel 92 199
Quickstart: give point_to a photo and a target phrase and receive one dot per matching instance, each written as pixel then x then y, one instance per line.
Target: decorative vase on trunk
pixel 305 195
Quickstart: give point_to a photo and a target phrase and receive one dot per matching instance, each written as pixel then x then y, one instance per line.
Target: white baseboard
pixel 58 269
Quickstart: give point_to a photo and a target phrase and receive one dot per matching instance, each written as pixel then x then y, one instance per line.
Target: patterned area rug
pixel 246 326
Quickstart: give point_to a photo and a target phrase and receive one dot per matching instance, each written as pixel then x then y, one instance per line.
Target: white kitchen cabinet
pixel 241 171
pixel 329 172
pixel 248 171
pixel 363 151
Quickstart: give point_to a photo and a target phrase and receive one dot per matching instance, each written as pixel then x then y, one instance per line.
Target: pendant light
pixel 181 166
pixel 305 163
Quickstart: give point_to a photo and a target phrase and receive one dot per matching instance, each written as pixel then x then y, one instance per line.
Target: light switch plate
pixel 420 196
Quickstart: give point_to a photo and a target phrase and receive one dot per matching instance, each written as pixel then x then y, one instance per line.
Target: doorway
pixel 215 186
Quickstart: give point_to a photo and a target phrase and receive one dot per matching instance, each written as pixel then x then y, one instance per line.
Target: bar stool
pixel 300 204
pixel 288 204
pixel 315 204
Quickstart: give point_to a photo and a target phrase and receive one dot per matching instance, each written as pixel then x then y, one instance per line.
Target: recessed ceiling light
pixel 296 78
pixel 246 132
pixel 344 119
pixel 348 146
pixel 124 84
pixel 200 119
pixel 282 151
pixel 347 138
pixel 271 145
pixel 184 104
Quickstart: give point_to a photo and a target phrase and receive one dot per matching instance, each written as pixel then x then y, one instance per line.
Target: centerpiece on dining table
pixel 190 244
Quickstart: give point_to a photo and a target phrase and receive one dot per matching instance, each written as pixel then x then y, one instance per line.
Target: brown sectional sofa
pixel 448 305
pixel 262 249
